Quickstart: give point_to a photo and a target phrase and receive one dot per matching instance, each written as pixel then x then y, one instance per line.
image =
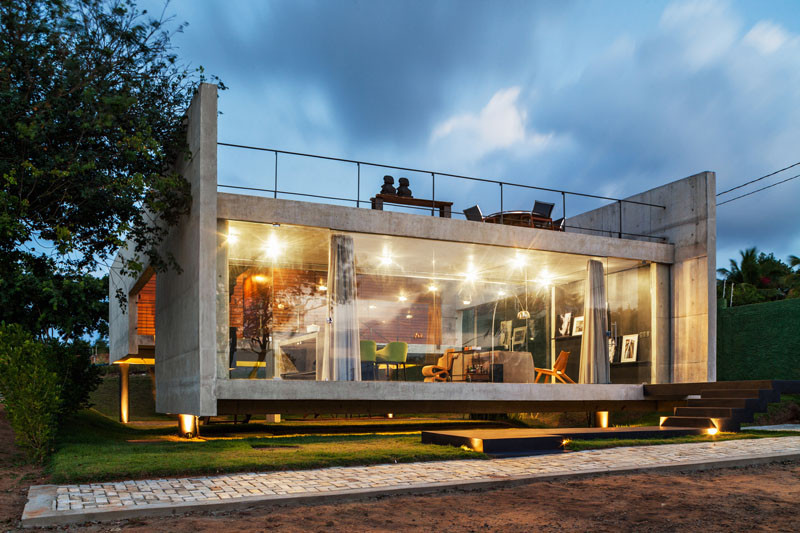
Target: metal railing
pixel 501 184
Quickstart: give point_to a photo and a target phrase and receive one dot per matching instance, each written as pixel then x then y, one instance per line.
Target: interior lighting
pixel 273 247
pixel 501 293
pixel 280 306
pixel 402 297
pixel 470 275
pixel 409 315
pixel 233 238
pixel 523 315
pixel 432 288
pixel 467 301
pixel 518 261
pixel 372 306
pixel 258 278
pixel 545 279
pixel 712 431
pixel 323 288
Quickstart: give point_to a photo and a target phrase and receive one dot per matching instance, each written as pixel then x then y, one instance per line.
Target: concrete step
pixel 740 414
pixel 736 403
pixel 688 422
pixel 761 394
pixel 722 424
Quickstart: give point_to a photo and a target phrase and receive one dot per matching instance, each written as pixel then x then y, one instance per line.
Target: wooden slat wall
pixel 146 308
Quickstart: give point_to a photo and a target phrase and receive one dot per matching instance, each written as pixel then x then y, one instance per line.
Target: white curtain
pixel 341 359
pixel 594 343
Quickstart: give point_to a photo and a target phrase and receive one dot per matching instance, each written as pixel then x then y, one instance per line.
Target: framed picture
pixel 612 348
pixel 563 328
pixel 630 343
pixel 577 326
pixel 519 336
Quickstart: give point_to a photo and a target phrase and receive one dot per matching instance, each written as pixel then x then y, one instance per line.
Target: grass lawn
pixel 595 444
pixel 96 448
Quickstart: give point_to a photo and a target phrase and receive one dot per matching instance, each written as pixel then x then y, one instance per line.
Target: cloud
pixel 766 37
pixel 500 125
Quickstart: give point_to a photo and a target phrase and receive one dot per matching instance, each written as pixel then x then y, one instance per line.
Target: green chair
pixel 368 365
pixel 394 353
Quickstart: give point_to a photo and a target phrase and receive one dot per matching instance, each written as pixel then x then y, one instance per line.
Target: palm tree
pixel 746 271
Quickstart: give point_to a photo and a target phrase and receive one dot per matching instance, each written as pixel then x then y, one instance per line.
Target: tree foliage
pixel 92 98
pixel 759 277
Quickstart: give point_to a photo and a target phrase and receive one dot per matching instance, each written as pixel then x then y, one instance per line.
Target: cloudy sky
pixel 608 98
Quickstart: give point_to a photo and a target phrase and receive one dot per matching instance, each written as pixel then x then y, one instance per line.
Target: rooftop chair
pixel 368 360
pixel 542 209
pixel 442 370
pixel 474 214
pixel 558 372
pixel 394 353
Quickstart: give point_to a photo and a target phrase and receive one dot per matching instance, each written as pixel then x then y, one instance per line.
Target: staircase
pixel 721 405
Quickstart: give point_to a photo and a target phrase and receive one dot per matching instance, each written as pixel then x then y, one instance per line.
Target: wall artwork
pixel 630 344
pixel 577 326
pixel 563 328
pixel 519 336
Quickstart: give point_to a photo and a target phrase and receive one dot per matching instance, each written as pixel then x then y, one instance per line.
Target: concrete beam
pixel 270 210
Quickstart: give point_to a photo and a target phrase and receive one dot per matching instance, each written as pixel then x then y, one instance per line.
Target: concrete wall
pixel 689 223
pixel 186 302
pixel 121 322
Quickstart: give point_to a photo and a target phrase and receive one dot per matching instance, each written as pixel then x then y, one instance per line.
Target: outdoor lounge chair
pixel 474 214
pixel 558 371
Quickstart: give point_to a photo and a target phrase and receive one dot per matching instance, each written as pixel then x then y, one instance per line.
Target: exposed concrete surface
pixel 186 302
pixel 688 222
pixel 246 389
pixel 270 210
pixel 50 505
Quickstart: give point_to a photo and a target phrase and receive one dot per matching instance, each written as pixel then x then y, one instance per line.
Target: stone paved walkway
pixel 50 504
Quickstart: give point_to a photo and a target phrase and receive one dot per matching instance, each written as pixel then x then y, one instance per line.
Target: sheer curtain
pixel 594 343
pixel 342 354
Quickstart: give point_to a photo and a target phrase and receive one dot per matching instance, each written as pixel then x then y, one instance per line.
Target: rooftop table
pixel 524 219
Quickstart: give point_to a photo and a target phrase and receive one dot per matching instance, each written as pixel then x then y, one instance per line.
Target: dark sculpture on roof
pixel 388 185
pixel 403 189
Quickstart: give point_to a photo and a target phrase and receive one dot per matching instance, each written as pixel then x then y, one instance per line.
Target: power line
pixel 758 190
pixel 757 179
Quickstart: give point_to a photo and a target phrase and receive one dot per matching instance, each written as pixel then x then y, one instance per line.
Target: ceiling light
pixel 233 238
pixel 273 247
pixel 409 316
pixel 258 278
pixel 402 297
pixel 323 288
pixel 522 315
pixel 467 302
pixel 372 306
pixel 432 288
pixel 518 261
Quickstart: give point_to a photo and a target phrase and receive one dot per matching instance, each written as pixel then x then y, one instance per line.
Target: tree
pixel 92 98
pixel 760 277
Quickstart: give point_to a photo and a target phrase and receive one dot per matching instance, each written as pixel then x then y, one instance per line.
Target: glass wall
pixel 313 304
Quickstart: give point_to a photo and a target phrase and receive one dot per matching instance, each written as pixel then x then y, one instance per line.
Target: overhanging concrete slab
pixel 270 210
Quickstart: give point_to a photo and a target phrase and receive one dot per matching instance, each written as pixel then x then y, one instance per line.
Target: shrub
pixel 30 391
pixel 77 376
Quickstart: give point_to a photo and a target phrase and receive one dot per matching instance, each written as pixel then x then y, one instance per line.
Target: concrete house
pixel 288 306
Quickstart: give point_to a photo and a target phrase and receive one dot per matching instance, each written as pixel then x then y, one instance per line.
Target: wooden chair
pixel 558 371
pixel 442 370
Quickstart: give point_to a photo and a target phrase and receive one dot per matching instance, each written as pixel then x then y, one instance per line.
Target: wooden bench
pixel 380 199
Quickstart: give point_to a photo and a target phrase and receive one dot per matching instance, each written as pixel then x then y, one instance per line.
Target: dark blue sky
pixel 608 97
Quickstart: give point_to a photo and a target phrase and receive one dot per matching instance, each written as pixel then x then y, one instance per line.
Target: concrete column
pixel 660 338
pixel 124 370
pixel 223 301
